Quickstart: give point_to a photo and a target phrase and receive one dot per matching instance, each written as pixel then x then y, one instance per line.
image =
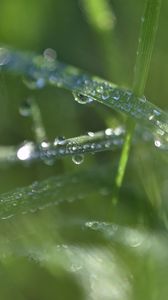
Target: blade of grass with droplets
pixel 149 24
pixel 110 139
pixel 90 87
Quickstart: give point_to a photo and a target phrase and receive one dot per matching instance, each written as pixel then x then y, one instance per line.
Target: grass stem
pixel 149 24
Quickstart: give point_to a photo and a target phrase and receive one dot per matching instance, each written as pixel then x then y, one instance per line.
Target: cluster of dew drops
pixel 25 151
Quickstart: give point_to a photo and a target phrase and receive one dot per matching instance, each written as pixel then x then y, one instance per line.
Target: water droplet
pixel 44 145
pixel 158 143
pixel 60 140
pixel 25 151
pixel 82 99
pixel 118 131
pixel 33 84
pixel 25 108
pixel 4 56
pixel 151 117
pixel 78 159
pixel 116 95
pixel 105 95
pixel 50 55
pixel 156 112
pixel 100 89
pixel 91 134
pixel 108 131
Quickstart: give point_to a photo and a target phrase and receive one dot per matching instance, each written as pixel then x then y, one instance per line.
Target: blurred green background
pixel 109 52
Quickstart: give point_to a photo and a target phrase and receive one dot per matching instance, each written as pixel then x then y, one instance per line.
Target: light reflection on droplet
pixel 45 145
pixel 25 151
pixel 108 131
pixel 158 143
pixel 82 99
pixel 91 134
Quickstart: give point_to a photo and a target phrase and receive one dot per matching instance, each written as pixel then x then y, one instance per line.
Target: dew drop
pixel 91 134
pixel 4 56
pixel 50 55
pixel 78 159
pixel 82 99
pixel 60 140
pixel 105 95
pixel 151 117
pixel 25 151
pixel 116 95
pixel 158 143
pixel 34 83
pixel 108 131
pixel 100 89
pixel 44 145
pixel 25 109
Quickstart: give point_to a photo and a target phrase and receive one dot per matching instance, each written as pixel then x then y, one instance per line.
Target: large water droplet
pixel 78 159
pixel 50 55
pixel 82 99
pixel 4 56
pixel 25 151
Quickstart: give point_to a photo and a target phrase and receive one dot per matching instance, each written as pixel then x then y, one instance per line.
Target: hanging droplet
pixel 4 56
pixel 34 83
pixel 25 151
pixel 78 159
pixel 82 99
pixel 105 95
pixel 25 108
pixel 50 55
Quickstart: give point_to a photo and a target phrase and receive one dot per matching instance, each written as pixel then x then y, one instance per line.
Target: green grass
pixel 60 237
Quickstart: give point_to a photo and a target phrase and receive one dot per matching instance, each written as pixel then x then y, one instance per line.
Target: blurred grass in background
pixel 65 26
